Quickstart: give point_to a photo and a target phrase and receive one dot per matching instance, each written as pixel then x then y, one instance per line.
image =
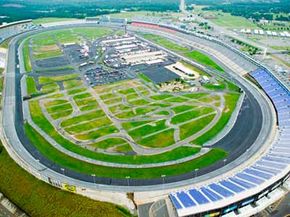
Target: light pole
pixel 62 169
pixel 128 180
pixel 224 161
pixel 94 178
pixel 195 172
pixel 163 180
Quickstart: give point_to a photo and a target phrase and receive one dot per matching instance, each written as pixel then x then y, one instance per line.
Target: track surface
pixel 238 140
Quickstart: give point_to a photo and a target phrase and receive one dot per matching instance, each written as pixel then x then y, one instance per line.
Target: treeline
pixel 13 10
pixel 271 11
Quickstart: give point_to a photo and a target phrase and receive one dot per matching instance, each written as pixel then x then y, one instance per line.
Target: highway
pixel 241 135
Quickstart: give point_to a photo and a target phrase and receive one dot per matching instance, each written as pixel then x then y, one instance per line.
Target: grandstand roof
pixel 15 23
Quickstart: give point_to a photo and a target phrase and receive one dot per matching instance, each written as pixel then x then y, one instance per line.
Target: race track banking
pixel 253 125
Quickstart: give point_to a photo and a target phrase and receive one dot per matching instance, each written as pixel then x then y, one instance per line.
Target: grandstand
pixel 252 185
pixel 10 29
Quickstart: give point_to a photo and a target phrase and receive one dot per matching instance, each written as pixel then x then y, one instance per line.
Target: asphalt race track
pixel 240 138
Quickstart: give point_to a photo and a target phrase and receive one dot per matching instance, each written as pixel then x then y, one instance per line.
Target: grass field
pixel 42 122
pixel 68 162
pixel 92 33
pixel 108 143
pixel 31 86
pixel 26 58
pixel 47 52
pixel 159 140
pixel 187 116
pixel 203 59
pixel 231 101
pixel 147 129
pixel 37 198
pixel 47 80
pixel 51 20
pixel 165 43
pixel 50 87
pixel 195 126
pixel 229 21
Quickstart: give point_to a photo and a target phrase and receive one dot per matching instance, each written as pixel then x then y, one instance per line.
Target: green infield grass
pixel 92 33
pixel 203 59
pixel 31 86
pixel 76 91
pixel 113 101
pixel 97 133
pixel 72 84
pixel 61 114
pixel 147 129
pixel 26 56
pixel 51 20
pixel 82 96
pixel 189 115
pixel 143 77
pixel 133 124
pixel 85 102
pixel 55 102
pixel 161 97
pixel 42 122
pixel 50 87
pixel 195 95
pixel 182 108
pixel 231 101
pixel 165 43
pixel 216 87
pixel 195 126
pixel 108 143
pixel 90 106
pixel 59 108
pixel 100 122
pixel 46 80
pixel 159 140
pixel 80 118
pixel 46 55
pixel 74 164
pixel 127 91
pixel 123 148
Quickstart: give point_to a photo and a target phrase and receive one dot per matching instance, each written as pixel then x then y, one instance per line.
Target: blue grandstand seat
pixel 265 169
pixel 250 178
pixel 258 174
pixel 210 194
pixel 198 197
pixel 222 191
pixel 231 186
pixel 242 183
pixel 185 199
pixel 271 164
pixel 280 161
pixel 175 202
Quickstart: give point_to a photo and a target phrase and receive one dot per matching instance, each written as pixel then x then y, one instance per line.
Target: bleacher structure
pixel 251 185
pixel 10 29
